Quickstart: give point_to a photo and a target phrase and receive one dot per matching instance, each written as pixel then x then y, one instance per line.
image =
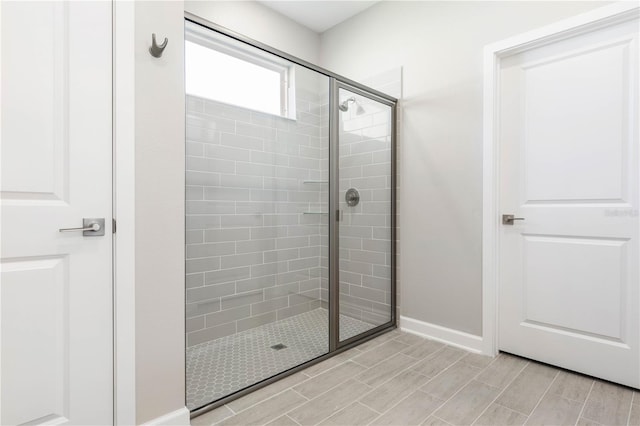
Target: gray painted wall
pixel 159 213
pixel 439 45
pixel 253 19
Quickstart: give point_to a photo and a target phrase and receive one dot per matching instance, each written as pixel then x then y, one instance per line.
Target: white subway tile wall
pixel 254 243
pixel 257 245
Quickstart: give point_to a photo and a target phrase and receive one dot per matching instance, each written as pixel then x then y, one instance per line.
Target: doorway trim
pixel 124 309
pixel 493 55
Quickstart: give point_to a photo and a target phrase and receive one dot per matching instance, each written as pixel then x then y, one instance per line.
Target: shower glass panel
pixel 365 203
pixel 257 225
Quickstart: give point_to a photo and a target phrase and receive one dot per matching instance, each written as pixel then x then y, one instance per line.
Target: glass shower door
pixel 257 165
pixel 364 212
pixel 289 215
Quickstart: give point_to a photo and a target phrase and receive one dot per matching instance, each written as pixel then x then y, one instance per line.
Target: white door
pixel 56 288
pixel 568 283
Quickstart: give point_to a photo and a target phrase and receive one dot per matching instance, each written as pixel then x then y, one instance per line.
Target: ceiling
pixel 318 15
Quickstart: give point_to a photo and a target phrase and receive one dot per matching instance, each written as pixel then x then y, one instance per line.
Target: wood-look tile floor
pixel 402 379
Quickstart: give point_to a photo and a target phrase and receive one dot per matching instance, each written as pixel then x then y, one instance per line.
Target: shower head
pixel 344 106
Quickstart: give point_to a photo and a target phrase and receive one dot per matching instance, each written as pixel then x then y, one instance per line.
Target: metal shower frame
pixel 337 82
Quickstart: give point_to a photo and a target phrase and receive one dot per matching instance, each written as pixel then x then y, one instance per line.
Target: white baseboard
pixel 181 417
pixel 466 341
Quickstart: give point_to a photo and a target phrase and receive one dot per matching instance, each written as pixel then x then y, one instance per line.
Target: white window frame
pixel 207 38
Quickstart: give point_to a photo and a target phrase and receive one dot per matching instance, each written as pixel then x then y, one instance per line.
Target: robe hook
pixel 155 49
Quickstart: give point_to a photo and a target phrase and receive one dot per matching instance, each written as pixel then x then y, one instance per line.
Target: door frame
pixel 493 55
pixel 123 258
pixel 334 221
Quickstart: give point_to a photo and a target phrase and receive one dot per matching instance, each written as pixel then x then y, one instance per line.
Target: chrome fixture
pixel 91 227
pixel 509 219
pixel 352 197
pixel 344 106
pixel 155 49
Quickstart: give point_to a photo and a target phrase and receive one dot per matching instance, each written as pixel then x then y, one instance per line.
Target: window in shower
pixel 232 74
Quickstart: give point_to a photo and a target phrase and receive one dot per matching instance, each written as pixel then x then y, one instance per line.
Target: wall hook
pixel 155 50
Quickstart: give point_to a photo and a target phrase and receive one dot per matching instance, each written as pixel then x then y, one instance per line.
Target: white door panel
pixel 55 288
pixel 561 95
pixel 569 166
pixel 560 269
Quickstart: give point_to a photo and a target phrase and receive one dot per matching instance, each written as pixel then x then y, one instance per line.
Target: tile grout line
pixel 459 390
pixel 545 394
pixel 333 413
pixel 372 409
pixel 327 370
pixel 299 393
pixel 439 418
pixel 332 387
pixel 584 405
pixel 372 388
pixel 325 392
pixel 506 386
pixel 427 382
pixel 330 368
pixel 415 361
pixel 512 409
pixel 357 363
pixel 392 377
pixel 381 414
pixel 633 397
pixel 432 354
pixel 264 400
pixel 343 408
pixel 292 419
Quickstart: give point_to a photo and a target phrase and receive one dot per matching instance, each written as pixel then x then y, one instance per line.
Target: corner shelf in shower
pixel 316 182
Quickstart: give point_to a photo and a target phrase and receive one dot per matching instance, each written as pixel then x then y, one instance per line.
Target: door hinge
pixel 113 226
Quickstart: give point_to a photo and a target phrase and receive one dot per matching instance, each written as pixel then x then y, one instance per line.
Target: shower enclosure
pixel 290 214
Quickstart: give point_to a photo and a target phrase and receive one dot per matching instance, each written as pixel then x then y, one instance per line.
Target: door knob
pixel 509 219
pixel 91 227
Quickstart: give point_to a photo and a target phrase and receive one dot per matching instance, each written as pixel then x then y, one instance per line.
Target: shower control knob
pixel 352 197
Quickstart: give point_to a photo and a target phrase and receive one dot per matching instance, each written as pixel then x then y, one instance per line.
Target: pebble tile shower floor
pixel 222 366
